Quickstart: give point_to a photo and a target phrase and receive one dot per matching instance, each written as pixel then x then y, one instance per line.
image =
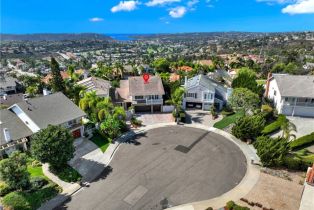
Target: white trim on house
pixel 25 118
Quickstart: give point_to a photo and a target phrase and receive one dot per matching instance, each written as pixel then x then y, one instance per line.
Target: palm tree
pixel 287 127
pixel 176 100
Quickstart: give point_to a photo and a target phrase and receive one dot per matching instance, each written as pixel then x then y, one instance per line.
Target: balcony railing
pixel 148 101
pixel 307 104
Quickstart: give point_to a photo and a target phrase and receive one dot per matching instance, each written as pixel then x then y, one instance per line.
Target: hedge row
pixel 302 141
pixel 274 126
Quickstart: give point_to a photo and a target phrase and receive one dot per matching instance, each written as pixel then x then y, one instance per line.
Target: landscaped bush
pixel 36 163
pixel 29 200
pixel 233 206
pixel 135 122
pixel 274 126
pixel 16 201
pixel 67 174
pixel 38 182
pixel 248 127
pixel 302 141
pixel 295 163
pixel 4 189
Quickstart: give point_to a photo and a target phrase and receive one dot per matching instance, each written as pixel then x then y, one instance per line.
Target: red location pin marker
pixel 145 78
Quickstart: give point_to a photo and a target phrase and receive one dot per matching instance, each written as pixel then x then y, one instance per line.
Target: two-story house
pixel 143 96
pixel 293 95
pixel 25 118
pixel 202 92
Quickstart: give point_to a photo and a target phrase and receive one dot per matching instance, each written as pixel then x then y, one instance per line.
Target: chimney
pixel 7 135
pixel 267 83
pixel 185 81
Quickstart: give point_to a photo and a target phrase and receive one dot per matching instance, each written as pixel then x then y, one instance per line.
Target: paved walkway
pixel 307 201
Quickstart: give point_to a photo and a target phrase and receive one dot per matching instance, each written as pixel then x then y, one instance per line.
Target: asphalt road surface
pixel 170 166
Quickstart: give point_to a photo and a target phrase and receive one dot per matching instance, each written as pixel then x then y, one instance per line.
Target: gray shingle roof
pixel 202 80
pixel 15 126
pixel 53 109
pixel 7 81
pixel 137 87
pixel 295 85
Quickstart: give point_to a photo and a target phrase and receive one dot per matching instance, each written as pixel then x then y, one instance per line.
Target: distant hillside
pixel 52 37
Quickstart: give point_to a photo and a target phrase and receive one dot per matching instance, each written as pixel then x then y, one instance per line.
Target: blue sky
pixel 155 16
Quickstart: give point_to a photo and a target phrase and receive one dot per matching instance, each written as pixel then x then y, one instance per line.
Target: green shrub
pixel 274 126
pixel 295 163
pixel 230 205
pixel 38 182
pixel 67 174
pixel 266 108
pixel 302 141
pixel 226 113
pixel 36 163
pixel 248 127
pixel 4 189
pixel 16 201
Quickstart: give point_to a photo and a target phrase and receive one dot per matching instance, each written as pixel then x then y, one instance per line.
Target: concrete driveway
pixel 88 160
pixel 154 118
pixel 170 166
pixel 304 125
pixel 201 117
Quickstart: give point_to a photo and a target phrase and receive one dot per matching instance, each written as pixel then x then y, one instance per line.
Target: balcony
pixel 147 101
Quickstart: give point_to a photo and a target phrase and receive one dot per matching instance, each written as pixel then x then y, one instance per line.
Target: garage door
pixel 157 108
pixel 190 105
pixel 142 109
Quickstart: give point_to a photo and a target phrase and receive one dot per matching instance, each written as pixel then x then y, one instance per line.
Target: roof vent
pixel 7 135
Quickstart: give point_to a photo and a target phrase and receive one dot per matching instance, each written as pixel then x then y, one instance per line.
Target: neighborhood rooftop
pixel 16 128
pixel 44 110
pixel 138 87
pixel 102 87
pixel 295 85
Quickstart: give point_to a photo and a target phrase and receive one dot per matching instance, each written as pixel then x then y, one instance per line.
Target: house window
pixel 138 97
pixel 192 95
pixel 207 96
pixel 312 101
pixel 275 93
pixel 72 122
pixel 154 97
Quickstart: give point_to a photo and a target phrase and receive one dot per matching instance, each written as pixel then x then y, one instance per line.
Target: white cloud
pixel 300 7
pixel 177 12
pixel 125 6
pixel 192 3
pixel 96 19
pixel 276 1
pixel 153 3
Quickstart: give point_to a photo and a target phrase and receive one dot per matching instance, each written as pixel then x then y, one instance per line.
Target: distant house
pixel 25 118
pixel 292 94
pixel 143 96
pixel 7 84
pixel 185 68
pixel 202 92
pixel 47 78
pixel 102 87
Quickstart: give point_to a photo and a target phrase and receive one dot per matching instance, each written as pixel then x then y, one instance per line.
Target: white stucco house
pixel 293 95
pixel 202 92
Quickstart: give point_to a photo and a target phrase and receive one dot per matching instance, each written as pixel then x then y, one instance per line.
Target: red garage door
pixel 76 133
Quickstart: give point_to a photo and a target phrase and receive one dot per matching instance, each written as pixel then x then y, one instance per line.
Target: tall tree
pixel 13 171
pixel 243 98
pixel 57 82
pixel 287 127
pixel 53 145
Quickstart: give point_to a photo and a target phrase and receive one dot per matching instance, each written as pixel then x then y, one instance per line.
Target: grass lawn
pixel 100 141
pixel 35 171
pixel 228 120
pixel 261 81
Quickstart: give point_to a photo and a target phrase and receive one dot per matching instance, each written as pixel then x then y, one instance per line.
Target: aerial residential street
pixel 154 173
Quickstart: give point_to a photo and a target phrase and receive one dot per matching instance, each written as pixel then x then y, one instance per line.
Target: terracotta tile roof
pixel 64 76
pixel 185 68
pixel 174 77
